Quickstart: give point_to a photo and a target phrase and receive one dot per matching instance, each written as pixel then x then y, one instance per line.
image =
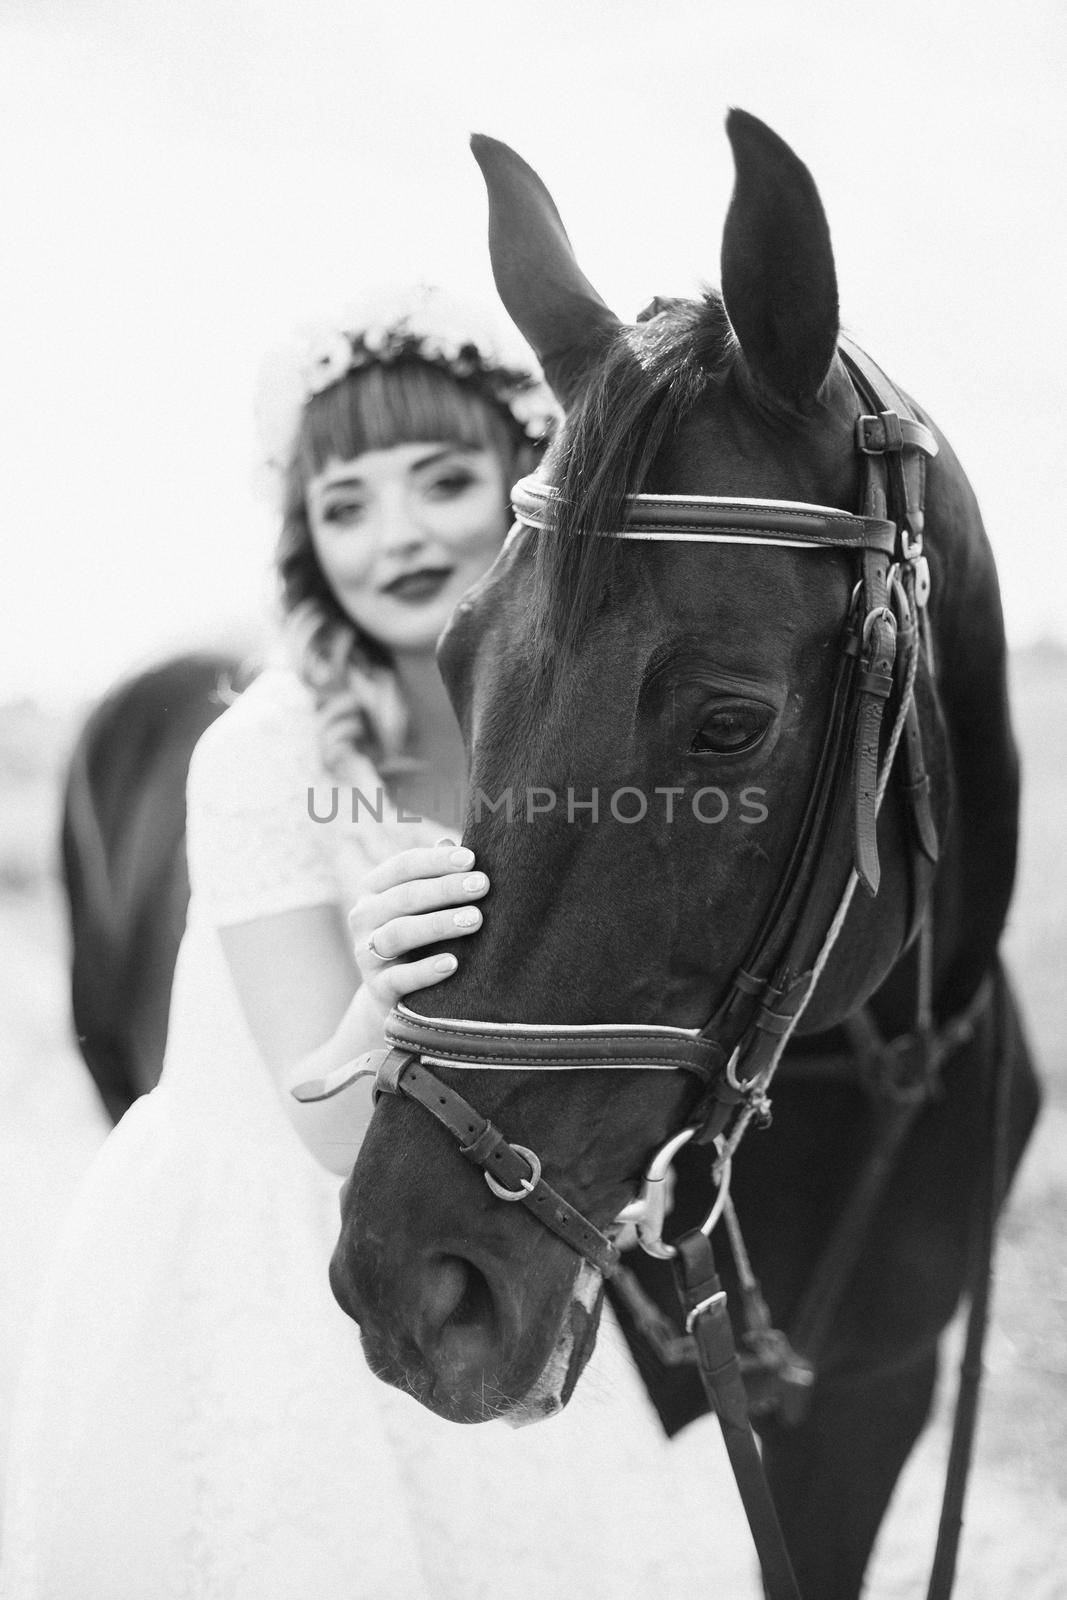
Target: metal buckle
pixel 906 1070
pixel 861 437
pixel 892 434
pixel 741 1086
pixel 526 1185
pixel 911 540
pixel 752 1091
pixel 704 1305
pixel 875 615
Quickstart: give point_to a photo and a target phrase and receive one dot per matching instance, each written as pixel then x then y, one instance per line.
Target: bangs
pixel 380 407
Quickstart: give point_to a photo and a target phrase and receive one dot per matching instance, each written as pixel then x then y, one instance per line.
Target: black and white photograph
pixel 533 778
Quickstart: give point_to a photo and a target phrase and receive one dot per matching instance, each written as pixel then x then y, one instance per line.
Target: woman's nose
pixel 399 524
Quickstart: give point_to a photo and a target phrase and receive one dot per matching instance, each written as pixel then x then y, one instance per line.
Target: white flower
pixel 327 363
pixel 535 410
pixel 439 326
pixel 443 348
pixel 374 337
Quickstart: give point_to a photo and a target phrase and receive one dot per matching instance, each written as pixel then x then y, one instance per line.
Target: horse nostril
pixel 455 1294
pixel 460 1317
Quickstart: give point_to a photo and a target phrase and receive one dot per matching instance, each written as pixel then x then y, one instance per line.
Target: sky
pixel 182 186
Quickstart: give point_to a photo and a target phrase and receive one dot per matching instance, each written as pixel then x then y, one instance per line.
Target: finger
pixel 370 958
pixel 425 862
pixel 417 896
pixel 404 934
pixel 408 976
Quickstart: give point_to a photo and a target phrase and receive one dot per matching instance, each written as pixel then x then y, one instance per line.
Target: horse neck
pixel 977 871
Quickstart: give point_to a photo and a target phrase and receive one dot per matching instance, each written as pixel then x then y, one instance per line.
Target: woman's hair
pixel 374 408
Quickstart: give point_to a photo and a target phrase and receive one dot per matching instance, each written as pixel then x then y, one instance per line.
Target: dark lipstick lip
pixel 422 578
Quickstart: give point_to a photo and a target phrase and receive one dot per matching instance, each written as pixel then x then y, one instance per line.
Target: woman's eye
pixel 730 730
pixel 342 511
pixel 448 486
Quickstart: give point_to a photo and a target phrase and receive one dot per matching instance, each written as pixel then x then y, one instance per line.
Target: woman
pixel 197 1418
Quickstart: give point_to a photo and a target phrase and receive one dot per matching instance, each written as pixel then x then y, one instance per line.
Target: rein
pixel 885 643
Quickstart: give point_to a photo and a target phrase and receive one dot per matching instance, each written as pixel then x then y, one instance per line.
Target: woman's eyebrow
pixel 432 457
pixel 354 480
pixel 348 481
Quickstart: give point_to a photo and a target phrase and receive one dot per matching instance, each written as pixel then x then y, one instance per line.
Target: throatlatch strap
pixel 706 1317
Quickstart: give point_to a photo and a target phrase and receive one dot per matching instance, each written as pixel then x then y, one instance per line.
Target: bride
pixel 196 1418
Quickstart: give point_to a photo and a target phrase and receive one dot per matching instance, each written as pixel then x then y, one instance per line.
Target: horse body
pixel 584 664
pixel 124 868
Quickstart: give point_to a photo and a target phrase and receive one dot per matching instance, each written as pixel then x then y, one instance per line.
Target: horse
pixel 123 863
pixel 752 581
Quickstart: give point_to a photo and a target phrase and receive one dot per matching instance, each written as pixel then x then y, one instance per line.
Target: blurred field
pixel 1016 1536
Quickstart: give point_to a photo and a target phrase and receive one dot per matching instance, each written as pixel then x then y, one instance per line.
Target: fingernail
pixel 444 841
pixel 468 918
pixel 444 963
pixel 477 880
pixel 462 858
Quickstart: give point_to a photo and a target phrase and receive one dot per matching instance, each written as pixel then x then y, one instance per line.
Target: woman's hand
pixel 416 898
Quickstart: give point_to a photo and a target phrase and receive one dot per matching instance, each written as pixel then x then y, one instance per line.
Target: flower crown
pixel 416 330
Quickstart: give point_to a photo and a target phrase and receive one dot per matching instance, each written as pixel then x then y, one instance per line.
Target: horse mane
pixel 646 383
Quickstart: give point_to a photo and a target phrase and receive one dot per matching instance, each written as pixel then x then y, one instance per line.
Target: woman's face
pixel 403 533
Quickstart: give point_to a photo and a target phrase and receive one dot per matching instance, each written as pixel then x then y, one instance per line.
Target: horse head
pixel 651 724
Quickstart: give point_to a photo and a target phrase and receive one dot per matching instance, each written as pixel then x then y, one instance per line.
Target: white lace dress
pixel 196 1419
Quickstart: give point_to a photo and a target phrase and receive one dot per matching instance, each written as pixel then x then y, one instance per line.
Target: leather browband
pixel 715 518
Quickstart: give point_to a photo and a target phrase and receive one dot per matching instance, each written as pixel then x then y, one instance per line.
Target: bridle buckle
pixel 880 435
pixel 526 1185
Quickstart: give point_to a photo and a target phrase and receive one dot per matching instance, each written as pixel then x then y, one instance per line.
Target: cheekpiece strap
pixel 878 649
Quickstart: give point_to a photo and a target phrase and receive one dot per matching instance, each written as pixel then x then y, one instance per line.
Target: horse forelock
pixel 648 381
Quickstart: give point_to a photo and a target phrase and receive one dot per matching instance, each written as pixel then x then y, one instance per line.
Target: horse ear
pixel 778 281
pixel 545 292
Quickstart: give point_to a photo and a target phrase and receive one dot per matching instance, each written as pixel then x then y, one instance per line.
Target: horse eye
pixel 730 730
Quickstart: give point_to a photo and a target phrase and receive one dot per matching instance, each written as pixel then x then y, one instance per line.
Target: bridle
pixel 885 644
pixel 734 1056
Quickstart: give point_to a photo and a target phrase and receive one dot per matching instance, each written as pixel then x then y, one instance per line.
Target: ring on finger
pixel 371 949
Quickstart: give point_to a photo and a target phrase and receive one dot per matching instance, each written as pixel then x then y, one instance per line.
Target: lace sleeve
pixel 253 847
